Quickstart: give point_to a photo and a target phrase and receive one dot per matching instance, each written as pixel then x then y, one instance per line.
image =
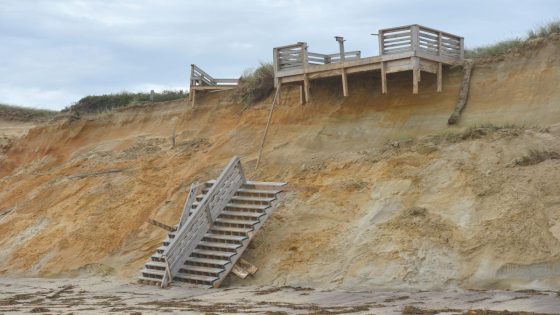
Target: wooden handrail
pixel 191 233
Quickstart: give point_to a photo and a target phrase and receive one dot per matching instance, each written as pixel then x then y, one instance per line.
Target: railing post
pixel 276 64
pixel 340 41
pixel 380 40
pixel 439 45
pixel 414 31
pixel 461 48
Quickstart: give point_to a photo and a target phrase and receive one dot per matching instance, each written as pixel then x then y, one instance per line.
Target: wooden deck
pixel 202 81
pixel 413 48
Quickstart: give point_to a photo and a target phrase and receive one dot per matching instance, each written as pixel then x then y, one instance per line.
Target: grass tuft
pixel 255 85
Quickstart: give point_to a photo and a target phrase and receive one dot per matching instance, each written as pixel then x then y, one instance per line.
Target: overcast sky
pixel 52 53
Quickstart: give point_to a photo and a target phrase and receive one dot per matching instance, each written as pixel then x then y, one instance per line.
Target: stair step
pixel 258 191
pixel 224 237
pixel 236 222
pixel 254 215
pixel 253 199
pixel 158 273
pixel 208 261
pixel 215 253
pixel 238 206
pixel 155 264
pixel 187 268
pixel 190 276
pixel 220 245
pixel 144 278
pixel 229 229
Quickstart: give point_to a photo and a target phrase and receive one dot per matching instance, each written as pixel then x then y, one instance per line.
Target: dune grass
pixel 255 84
pixel 502 47
pixel 106 102
pixel 20 113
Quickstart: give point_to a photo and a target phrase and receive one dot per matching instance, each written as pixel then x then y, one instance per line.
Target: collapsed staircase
pixel 219 220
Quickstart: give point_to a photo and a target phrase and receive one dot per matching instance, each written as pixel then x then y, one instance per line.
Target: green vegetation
pixel 18 113
pixel 255 85
pixel 502 47
pixel 101 103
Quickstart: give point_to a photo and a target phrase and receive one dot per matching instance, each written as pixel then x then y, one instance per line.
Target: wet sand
pixel 107 295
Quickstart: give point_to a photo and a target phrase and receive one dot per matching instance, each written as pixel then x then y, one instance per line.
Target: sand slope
pixel 366 208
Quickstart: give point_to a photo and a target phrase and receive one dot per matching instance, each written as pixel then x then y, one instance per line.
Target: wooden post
pixel 301 100
pixel 414 30
pixel 276 65
pixel 380 40
pixel 344 83
pixel 305 77
pixel 193 91
pixel 340 41
pixel 383 78
pixel 415 74
pixel 462 49
pixel 306 87
pixel 440 77
pixel 268 123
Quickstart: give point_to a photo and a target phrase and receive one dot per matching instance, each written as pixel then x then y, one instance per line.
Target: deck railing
pixel 199 77
pixel 196 225
pixel 296 56
pixel 418 38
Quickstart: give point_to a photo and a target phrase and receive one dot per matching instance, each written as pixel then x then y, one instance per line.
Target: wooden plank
pixel 414 30
pixel 397 35
pixel 161 225
pixel 406 43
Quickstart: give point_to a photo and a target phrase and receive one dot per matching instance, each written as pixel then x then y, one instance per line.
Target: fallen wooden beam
pixel 243 269
pixel 463 94
pixel 161 225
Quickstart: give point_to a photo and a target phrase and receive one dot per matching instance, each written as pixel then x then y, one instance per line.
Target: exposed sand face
pixel 423 214
pixel 95 296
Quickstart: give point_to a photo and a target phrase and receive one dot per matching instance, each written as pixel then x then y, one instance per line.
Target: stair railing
pixel 192 231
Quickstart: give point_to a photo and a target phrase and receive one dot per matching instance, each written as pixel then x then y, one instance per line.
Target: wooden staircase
pixel 208 242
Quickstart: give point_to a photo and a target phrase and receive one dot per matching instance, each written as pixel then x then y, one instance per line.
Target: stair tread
pixel 243 213
pixel 245 198
pixel 226 237
pixel 191 276
pixel 202 269
pixel 258 191
pixel 232 221
pixel 238 206
pixel 148 279
pixel 220 245
pixel 213 252
pixel 230 229
pixel 153 272
pixel 155 264
pixel 209 261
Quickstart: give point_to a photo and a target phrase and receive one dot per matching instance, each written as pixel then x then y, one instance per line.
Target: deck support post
pixel 440 77
pixel 301 99
pixel 193 97
pixel 415 74
pixel 383 78
pixel 344 83
pixel 306 87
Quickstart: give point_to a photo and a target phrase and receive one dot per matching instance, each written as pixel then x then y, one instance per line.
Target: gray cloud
pixel 54 52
